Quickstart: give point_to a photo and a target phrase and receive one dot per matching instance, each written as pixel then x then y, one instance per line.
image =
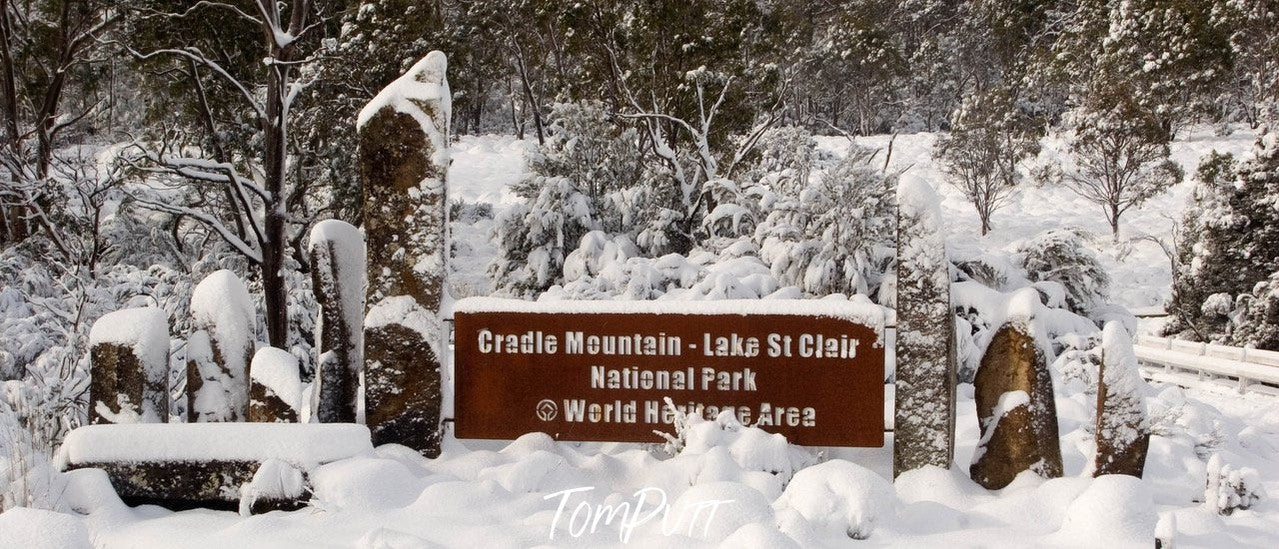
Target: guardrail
pixel 1252 369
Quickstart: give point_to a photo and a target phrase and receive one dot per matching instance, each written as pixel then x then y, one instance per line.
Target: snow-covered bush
pixel 1061 255
pixel 1228 488
pixel 834 235
pixel 785 156
pixel 584 145
pixel 534 237
pixel 839 499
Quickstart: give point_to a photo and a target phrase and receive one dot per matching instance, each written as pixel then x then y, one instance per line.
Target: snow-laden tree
pixel 1253 88
pixel 50 67
pixel 1062 255
pixel 1229 252
pixel 263 196
pixel 1120 150
pixel 990 137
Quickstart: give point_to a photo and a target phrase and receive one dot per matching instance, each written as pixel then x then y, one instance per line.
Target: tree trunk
pixel 1114 223
pixel 275 241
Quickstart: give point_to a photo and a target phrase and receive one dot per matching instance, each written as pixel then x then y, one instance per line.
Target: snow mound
pixel 275 480
pixel 369 484
pixel 1114 511
pixel 26 528
pixel 839 499
pixel 301 445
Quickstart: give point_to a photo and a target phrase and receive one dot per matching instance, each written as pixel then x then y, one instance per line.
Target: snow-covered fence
pixel 1254 370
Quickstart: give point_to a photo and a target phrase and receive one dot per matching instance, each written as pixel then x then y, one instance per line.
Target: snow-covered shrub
pixel 834 235
pixel 784 156
pixel 750 448
pixel 840 499
pixel 534 236
pixel 1061 255
pixel 1228 488
pixel 586 146
pixel 32 422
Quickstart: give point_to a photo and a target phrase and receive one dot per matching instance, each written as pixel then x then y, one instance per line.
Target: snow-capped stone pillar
pixel 275 391
pixel 403 162
pixel 219 349
pixel 924 428
pixel 338 274
pixel 1015 407
pixel 129 366
pixel 1123 434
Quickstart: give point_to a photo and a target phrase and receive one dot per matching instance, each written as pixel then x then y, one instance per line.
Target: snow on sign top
pixel 867 314
pixel 304 445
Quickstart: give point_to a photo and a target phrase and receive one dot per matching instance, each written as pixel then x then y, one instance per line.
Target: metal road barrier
pixel 1251 369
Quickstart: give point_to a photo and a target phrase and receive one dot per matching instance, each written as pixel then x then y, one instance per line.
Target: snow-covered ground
pixel 732 486
pixel 537 492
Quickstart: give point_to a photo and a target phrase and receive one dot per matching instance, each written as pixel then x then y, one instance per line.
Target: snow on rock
pixel 274 480
pixel 425 83
pixel 302 445
pixel 1122 432
pixel 223 317
pixel 1115 511
pixel 27 528
pixel 277 370
pixel 840 499
pixel 222 301
pixel 347 245
pixel 404 311
pixel 117 393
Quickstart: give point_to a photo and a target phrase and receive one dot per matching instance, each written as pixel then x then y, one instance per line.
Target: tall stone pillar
pixel 403 162
pixel 338 272
pixel 924 423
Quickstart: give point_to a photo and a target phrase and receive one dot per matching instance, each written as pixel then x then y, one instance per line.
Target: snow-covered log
pixel 219 349
pixel 403 135
pixel 221 465
pixel 924 432
pixel 1015 407
pixel 275 391
pixel 338 274
pixel 129 366
pixel 1123 433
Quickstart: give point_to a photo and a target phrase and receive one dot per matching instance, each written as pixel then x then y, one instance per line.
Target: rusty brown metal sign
pixel 604 376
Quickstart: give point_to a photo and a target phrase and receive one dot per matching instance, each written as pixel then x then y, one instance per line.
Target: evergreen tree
pixel 1223 286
